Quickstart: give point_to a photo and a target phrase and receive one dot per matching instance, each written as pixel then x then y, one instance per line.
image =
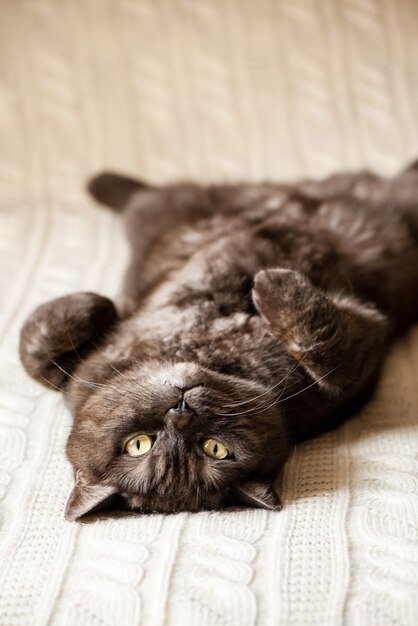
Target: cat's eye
pixel 139 445
pixel 215 449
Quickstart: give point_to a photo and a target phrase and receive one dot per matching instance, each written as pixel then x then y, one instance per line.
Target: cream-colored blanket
pixel 208 90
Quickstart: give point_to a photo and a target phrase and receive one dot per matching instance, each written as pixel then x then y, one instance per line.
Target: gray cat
pixel 252 316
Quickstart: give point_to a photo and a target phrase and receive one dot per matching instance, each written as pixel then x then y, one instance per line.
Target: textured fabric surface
pixel 208 90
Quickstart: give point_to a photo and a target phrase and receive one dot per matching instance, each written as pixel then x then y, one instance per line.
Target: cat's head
pixel 160 435
pixel 171 437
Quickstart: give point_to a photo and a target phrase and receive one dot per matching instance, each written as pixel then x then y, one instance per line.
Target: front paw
pixel 57 334
pixel 295 310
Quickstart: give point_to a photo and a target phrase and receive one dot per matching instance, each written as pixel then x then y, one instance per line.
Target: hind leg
pixel 149 212
pixel 149 218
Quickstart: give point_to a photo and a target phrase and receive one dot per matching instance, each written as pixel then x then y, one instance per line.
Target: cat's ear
pixel 114 190
pixel 88 498
pixel 58 334
pixel 261 495
pixel 412 167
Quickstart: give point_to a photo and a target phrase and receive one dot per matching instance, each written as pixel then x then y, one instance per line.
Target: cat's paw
pixel 293 308
pixel 278 295
pixel 57 334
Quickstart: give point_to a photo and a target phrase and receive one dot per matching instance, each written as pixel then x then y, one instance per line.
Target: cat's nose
pixel 182 385
pixel 180 414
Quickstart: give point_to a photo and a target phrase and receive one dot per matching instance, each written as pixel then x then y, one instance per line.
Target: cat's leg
pixel 150 213
pixel 339 341
pixel 154 222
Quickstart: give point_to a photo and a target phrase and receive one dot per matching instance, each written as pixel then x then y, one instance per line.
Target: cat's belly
pixel 219 267
pixel 342 246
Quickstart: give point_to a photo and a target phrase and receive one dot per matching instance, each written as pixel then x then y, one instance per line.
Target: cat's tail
pixel 114 190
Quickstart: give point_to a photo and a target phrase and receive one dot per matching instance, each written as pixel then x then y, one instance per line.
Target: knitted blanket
pixel 205 90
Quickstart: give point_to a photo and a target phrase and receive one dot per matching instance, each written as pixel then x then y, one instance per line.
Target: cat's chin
pixel 191 503
pixel 253 494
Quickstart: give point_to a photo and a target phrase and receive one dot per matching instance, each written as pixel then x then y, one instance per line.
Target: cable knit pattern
pixel 206 90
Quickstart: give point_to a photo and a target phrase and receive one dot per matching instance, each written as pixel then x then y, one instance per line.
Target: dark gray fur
pixel 267 308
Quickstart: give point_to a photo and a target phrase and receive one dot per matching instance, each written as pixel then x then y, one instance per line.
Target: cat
pixel 252 317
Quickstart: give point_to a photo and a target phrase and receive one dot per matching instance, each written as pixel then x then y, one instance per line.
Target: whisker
pixel 114 368
pixel 72 344
pixel 252 410
pixel 285 385
pixel 257 409
pixel 279 399
pixel 96 347
pixel 95 384
pixel 315 382
pixel 259 396
pixel 51 384
pixel 77 379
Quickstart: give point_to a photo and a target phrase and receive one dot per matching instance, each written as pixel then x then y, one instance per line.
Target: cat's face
pixel 155 433
pixel 169 437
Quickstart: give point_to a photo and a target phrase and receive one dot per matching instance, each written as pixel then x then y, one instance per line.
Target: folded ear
pixel 261 495
pixel 87 498
pixel 58 334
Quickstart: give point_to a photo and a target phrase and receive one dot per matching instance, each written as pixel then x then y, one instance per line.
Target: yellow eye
pixel 139 445
pixel 213 448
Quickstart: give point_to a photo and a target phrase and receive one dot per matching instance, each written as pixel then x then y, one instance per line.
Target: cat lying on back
pixel 252 317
